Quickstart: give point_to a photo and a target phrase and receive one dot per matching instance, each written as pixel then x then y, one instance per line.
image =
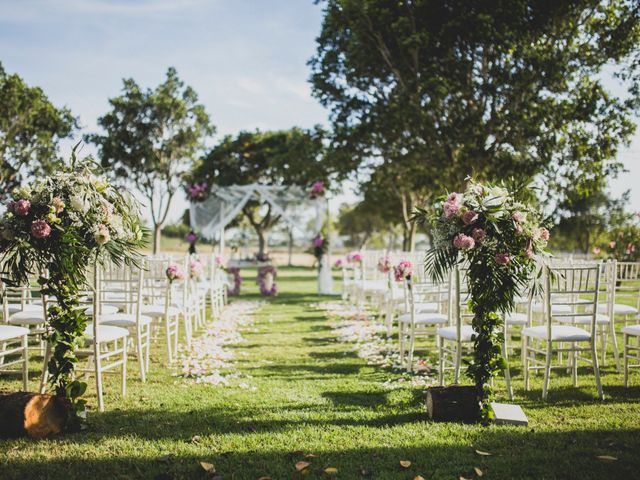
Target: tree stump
pixel 453 404
pixel 32 414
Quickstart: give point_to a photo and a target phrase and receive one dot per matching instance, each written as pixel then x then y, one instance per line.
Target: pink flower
pixel 502 258
pixel 316 189
pixel 40 229
pixel 478 235
pixel 384 264
pixel 174 272
pixel 21 207
pixel 318 242
pixel 612 244
pixel 469 217
pixel 519 229
pixel 191 237
pixel 631 248
pixel 518 217
pixel 339 263
pixel 219 259
pixel 354 257
pixel 58 204
pixel 463 242
pixel 452 205
pixel 544 234
pixel 403 270
pixel 596 250
pixel 196 268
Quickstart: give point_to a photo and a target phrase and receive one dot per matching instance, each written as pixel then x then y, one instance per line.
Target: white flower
pixel 101 234
pixel 495 196
pixel 79 204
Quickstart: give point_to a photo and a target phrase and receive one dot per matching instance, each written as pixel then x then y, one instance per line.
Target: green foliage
pixel 30 129
pixel 151 138
pixel 433 91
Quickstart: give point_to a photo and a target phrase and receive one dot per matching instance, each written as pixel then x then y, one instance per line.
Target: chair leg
pixel 124 367
pixel 3 347
pixel 25 363
pixel 525 361
pixel 441 361
pixel 167 328
pixel 574 365
pixel 603 345
pixel 401 326
pixel 97 361
pixel 140 354
pixel 458 360
pixel 625 354
pixel 412 339
pixel 596 369
pixel 547 370
pixel 614 343
pixel 44 378
pixel 507 372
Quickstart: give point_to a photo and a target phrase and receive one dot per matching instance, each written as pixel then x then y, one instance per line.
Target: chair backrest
pixel 121 285
pixel 574 286
pixel 19 296
pixel 425 291
pixel 626 288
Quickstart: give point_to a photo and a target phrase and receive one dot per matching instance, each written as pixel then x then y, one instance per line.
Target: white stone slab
pixel 508 414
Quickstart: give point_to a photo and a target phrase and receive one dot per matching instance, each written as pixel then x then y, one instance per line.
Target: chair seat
pixel 158 311
pixel 450 333
pixel 539 308
pixel 8 332
pixel 27 317
pixel 106 333
pixel 559 333
pixel 600 320
pixel 124 320
pixel 19 307
pixel 425 318
pixel 516 318
pixel 619 309
pixel 106 309
pixel 632 330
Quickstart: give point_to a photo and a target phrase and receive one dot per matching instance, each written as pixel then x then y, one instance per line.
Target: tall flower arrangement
pixel 320 246
pixel 498 238
pixel 56 227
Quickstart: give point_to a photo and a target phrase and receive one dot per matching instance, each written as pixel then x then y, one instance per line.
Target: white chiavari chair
pixel 576 288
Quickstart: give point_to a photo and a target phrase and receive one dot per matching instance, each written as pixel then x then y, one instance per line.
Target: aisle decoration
pixel 174 272
pixel 196 269
pixel 339 263
pixel 236 280
pixel 57 227
pixel 317 190
pixel 354 257
pixel 266 280
pixel 197 192
pixel 497 237
pixel 320 247
pixel 384 264
pixel 403 271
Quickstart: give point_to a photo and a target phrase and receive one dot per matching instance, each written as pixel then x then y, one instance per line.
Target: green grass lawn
pixel 313 396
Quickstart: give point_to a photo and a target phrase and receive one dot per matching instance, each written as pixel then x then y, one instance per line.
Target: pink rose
pixel 463 242
pixel 518 217
pixel 612 244
pixel 403 270
pixel 338 263
pixel 502 258
pixel 479 235
pixel 318 242
pixel 544 234
pixel 40 229
pixel 519 229
pixel 452 205
pixel 469 217
pixel 596 250
pixel 21 207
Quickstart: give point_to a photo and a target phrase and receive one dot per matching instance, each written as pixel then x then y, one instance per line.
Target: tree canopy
pixel 151 138
pixel 444 89
pixel 30 130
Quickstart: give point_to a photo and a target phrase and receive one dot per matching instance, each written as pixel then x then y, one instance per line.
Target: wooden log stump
pixel 32 414
pixel 453 404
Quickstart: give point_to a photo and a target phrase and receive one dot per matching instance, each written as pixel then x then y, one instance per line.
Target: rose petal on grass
pixel 418 477
pixel 483 454
pixel 300 466
pixel 208 467
pixel 405 463
pixel 331 470
pixel 478 471
pixel 606 458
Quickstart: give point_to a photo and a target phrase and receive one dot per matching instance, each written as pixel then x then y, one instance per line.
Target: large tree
pixel 500 88
pixel 288 157
pixel 151 138
pixel 30 130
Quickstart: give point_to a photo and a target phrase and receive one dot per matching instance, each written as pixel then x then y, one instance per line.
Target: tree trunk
pixel 289 263
pixel 32 414
pixel 262 242
pixel 157 232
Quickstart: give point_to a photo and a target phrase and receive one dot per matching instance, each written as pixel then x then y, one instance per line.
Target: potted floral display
pixel 498 237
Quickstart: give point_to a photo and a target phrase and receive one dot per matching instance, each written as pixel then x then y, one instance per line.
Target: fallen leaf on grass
pixel 483 454
pixel 606 458
pixel 208 467
pixel 330 470
pixel 311 455
pixel 195 439
pixel 478 471
pixel 405 463
pixel 300 466
pixel 418 477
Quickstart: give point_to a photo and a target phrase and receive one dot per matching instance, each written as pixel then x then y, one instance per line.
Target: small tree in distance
pixel 150 140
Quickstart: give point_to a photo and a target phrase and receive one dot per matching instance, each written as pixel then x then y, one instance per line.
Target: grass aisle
pixel 306 397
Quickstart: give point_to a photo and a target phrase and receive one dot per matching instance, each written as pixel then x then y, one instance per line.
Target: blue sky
pixel 245 58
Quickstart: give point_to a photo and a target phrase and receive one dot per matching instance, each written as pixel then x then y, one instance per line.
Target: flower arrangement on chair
pixel 354 257
pixel 196 269
pixel 497 235
pixel 384 264
pixel 403 271
pixel 266 280
pixel 320 247
pixel 197 192
pixel 174 272
pixel 60 225
pixel 317 190
pixel 339 263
